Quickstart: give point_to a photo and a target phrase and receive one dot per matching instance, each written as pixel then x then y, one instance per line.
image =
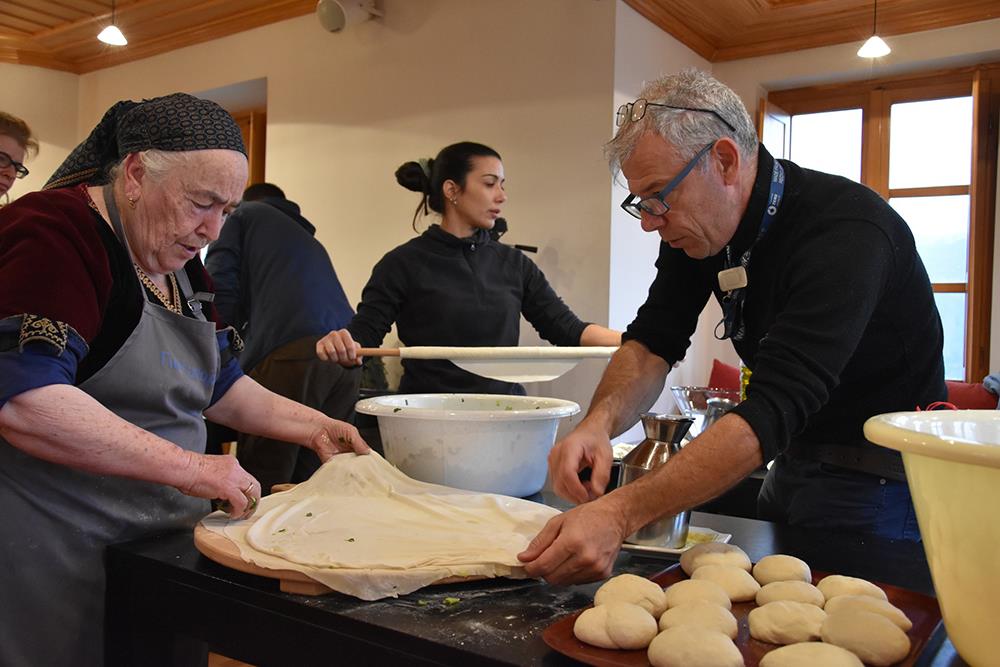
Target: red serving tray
pixel 921 609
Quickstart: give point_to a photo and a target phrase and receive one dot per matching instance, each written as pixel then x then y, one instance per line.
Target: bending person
pixel 454 285
pixel 110 358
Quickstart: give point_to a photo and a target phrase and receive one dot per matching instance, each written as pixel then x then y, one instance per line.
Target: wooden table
pixel 164 599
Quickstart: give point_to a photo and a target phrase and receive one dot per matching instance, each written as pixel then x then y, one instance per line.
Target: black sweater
pixel 443 290
pixel 840 318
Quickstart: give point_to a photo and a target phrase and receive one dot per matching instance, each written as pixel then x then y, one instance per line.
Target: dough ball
pixel 786 622
pixel 690 590
pixel 702 613
pixel 691 646
pixel 873 638
pixel 737 582
pixel 714 553
pixel 838 584
pixel 853 603
pixel 591 628
pixel 796 591
pixel 617 625
pixel 780 567
pixel 813 654
pixel 635 589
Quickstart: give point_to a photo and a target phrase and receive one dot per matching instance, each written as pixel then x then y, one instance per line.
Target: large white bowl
pixel 952 461
pixel 479 442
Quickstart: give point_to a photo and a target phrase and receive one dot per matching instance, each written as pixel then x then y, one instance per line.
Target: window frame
pixel 875 98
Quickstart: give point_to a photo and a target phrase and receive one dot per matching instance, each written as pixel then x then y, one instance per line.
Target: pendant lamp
pixel 111 34
pixel 875 47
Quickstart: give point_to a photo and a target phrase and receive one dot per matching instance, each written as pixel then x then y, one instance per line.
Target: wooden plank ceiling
pixel 732 29
pixel 62 34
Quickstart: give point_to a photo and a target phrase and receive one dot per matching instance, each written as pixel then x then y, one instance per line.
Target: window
pixel 913 140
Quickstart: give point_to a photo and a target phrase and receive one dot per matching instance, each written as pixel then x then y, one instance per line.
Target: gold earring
pixel 131 202
pixel 454 202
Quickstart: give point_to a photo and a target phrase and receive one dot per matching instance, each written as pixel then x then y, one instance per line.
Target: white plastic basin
pixel 952 461
pixel 479 442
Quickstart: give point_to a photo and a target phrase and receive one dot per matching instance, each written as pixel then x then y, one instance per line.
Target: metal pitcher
pixel 663 437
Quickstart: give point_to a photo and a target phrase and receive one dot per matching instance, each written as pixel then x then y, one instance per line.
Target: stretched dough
pixel 632 588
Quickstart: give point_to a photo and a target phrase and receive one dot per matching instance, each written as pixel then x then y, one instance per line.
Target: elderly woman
pixel 109 358
pixel 16 142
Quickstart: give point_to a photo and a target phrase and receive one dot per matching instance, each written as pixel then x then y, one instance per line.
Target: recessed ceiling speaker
pixel 337 15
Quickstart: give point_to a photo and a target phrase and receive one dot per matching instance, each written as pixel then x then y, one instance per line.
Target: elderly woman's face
pixel 15 152
pixel 181 212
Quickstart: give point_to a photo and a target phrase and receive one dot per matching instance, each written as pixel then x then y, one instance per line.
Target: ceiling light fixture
pixel 875 47
pixel 111 34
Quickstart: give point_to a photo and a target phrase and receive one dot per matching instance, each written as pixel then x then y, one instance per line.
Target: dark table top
pixel 162 585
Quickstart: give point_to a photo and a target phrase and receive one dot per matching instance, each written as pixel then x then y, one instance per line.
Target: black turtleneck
pixel 840 317
pixel 443 290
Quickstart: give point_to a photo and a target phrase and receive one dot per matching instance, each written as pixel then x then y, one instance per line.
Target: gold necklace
pixel 172 304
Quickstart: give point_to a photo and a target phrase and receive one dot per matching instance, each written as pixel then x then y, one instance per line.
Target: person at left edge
pixel 16 143
pixel 109 359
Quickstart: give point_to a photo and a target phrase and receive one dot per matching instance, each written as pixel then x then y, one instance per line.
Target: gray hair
pixel 689 131
pixel 157 163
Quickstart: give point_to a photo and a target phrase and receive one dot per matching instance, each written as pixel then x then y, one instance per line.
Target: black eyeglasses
pixel 634 111
pixel 655 205
pixel 7 161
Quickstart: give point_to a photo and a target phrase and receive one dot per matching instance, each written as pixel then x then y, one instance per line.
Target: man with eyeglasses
pixel 824 298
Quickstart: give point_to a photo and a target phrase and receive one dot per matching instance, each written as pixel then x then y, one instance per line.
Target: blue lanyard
pixel 732 303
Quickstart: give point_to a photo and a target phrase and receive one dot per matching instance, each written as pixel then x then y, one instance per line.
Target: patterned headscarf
pixel 177 122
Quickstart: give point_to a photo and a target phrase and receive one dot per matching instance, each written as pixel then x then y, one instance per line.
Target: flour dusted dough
pixel 852 603
pixel 702 613
pixel 737 582
pixel 786 622
pixel 780 567
pixel 714 553
pixel 795 591
pixel 363 528
pixel 838 584
pixel 691 646
pixel 616 625
pixel 690 590
pixel 811 654
pixel 635 589
pixel 873 638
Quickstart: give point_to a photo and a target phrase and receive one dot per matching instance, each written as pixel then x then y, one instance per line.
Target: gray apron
pixel 58 520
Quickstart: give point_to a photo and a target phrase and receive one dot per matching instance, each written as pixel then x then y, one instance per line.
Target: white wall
pixel 47 101
pixel 532 79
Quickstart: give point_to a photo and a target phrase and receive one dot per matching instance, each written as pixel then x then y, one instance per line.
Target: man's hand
pixel 579 545
pixel 335 437
pixel 339 346
pixel 587 446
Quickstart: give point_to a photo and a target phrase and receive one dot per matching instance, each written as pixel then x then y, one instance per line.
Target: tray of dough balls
pixel 717 609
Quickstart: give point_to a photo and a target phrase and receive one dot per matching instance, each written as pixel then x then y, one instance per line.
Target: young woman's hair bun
pixel 411 175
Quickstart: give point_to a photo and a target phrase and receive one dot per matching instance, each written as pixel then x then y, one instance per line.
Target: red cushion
pixel 970 396
pixel 725 376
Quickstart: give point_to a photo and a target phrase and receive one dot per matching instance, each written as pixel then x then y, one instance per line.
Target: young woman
pixel 454 285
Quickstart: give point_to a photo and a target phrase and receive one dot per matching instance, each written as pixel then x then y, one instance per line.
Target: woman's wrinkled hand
pixel 222 478
pixel 335 437
pixel 339 346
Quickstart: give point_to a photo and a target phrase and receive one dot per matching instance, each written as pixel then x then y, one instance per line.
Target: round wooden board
pixel 224 551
